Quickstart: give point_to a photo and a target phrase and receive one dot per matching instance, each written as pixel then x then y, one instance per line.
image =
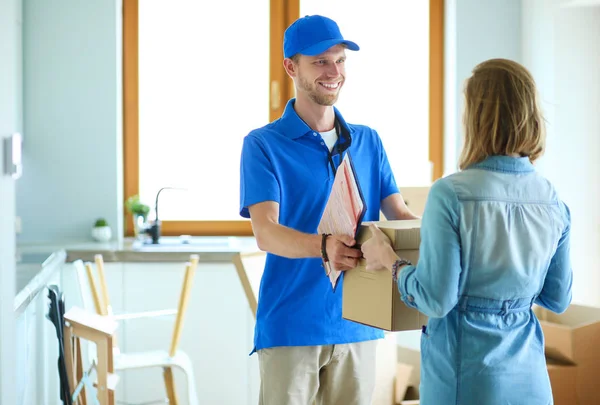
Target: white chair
pixel 95 298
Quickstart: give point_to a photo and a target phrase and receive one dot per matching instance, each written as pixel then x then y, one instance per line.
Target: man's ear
pixel 290 67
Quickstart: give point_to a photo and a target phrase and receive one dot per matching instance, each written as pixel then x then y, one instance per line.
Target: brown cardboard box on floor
pixel 572 338
pixel 408 357
pixel 372 297
pixel 403 376
pixel 563 381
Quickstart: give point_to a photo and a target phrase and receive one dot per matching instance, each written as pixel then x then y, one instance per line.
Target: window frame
pixel 282 14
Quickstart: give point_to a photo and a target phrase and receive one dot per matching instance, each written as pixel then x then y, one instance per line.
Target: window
pixel 388 79
pixel 198 77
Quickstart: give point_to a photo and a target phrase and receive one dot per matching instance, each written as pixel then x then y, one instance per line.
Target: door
pixel 10 122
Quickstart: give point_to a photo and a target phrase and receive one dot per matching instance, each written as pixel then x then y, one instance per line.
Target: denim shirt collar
pixel 505 164
pixel 295 127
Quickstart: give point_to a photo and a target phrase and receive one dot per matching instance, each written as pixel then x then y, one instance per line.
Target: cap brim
pixel 322 46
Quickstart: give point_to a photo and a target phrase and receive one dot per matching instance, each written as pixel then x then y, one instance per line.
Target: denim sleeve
pixel 556 292
pixel 258 182
pixel 432 285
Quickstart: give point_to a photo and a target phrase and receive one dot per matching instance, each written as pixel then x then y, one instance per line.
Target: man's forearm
pixel 287 242
pixel 394 208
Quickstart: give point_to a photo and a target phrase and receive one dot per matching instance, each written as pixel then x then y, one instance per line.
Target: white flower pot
pixel 101 233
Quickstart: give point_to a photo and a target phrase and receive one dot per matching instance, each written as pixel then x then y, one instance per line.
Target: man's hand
pixel 378 251
pixel 340 253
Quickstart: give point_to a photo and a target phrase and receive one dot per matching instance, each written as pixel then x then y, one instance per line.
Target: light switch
pixel 13 155
pixel 18 225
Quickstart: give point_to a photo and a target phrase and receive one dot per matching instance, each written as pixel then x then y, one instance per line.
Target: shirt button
pixel 322 143
pixel 411 298
pixel 314 134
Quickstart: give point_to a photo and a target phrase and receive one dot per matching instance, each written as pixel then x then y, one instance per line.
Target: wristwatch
pixel 397 265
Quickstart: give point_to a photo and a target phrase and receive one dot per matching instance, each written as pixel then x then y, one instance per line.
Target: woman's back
pixel 483 344
pixel 510 223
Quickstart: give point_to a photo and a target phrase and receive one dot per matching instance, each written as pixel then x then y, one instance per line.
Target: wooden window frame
pixel 282 14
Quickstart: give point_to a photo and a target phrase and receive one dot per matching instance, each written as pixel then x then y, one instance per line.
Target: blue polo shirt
pixel 287 162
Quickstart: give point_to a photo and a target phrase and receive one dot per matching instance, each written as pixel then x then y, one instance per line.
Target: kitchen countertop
pixel 37 262
pixel 170 249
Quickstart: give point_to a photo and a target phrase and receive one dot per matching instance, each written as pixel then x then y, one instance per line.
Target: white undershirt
pixel 330 138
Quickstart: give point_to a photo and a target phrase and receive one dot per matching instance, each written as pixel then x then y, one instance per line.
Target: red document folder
pixel 344 210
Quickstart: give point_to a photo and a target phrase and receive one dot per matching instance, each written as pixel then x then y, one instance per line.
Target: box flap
pixel 396 224
pixel 405 234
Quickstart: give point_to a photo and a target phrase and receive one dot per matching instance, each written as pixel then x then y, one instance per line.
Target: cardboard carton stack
pixel 572 347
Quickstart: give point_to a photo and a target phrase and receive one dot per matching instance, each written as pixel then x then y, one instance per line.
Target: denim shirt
pixel 494 241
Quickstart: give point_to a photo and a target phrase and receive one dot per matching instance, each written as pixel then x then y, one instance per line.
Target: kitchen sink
pixel 186 243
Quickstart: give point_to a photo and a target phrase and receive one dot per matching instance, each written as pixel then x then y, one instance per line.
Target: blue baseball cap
pixel 313 35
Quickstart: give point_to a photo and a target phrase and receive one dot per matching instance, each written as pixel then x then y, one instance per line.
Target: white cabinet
pixel 36 353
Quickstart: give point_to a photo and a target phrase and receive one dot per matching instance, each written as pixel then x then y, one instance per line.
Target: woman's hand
pixel 378 251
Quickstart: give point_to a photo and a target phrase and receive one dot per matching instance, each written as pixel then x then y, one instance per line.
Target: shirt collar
pixel 505 164
pixel 295 127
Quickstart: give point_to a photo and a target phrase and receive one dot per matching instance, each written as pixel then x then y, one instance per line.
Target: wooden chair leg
pixel 170 385
pixel 79 372
pixel 102 370
pixel 68 348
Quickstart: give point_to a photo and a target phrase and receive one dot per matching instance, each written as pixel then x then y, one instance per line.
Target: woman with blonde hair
pixel 494 241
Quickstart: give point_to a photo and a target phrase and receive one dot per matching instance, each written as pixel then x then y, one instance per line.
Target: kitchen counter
pixel 170 249
pixel 36 263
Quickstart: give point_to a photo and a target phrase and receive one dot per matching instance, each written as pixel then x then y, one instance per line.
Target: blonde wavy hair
pixel 502 115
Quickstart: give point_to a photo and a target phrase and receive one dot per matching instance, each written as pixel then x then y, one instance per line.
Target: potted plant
pixel 101 231
pixel 139 211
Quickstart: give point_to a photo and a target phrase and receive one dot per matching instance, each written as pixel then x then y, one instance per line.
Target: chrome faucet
pixel 154 230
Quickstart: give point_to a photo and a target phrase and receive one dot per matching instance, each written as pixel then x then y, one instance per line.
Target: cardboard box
pixel 411 358
pixel 372 297
pixel 403 378
pixel 563 379
pixel 572 338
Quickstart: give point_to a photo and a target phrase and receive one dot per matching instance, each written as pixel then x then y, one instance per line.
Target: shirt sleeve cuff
pixel 406 273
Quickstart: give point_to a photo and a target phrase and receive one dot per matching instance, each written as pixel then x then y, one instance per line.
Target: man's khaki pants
pixel 321 375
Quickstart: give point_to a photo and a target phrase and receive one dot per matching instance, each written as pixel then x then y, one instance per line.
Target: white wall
pixel 73 125
pixel 475 30
pixel 10 121
pixel 561 47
